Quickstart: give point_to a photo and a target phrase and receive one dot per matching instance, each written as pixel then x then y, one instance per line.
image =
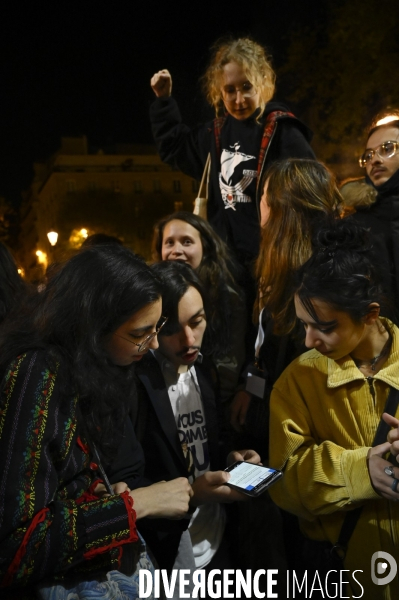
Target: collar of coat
pixel 343 371
pixel 387 189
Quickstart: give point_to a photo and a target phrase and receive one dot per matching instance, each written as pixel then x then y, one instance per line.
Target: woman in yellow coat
pixel 325 410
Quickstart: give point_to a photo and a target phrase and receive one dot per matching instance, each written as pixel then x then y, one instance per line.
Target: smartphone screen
pixel 251 479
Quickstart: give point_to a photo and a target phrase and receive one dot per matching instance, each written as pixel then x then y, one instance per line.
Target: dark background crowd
pixel 69 71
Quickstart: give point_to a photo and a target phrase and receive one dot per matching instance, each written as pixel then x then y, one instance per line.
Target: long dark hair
pixel 12 286
pixel 87 299
pixel 218 273
pixel 340 272
pixel 177 278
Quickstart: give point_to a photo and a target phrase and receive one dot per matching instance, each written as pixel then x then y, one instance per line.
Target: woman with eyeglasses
pixel 381 163
pixel 67 371
pixel 248 134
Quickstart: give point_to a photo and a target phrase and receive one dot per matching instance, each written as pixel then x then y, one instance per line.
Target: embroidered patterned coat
pixel 50 522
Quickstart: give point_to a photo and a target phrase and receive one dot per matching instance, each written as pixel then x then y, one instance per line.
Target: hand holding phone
pixel 210 487
pixel 251 479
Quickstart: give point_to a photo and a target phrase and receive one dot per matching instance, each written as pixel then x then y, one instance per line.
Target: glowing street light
pixel 41 257
pixel 52 237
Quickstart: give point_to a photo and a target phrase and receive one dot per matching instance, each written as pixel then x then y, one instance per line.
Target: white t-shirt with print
pixel 208 521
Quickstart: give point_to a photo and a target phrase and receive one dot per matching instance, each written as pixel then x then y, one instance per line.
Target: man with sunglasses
pixel 381 162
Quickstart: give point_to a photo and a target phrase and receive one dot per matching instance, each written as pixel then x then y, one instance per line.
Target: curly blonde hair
pixel 254 61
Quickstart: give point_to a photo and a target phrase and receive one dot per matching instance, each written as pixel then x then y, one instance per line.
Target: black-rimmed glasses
pixel 147 341
pixel 385 150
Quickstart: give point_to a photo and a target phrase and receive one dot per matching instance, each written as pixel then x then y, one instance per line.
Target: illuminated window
pixel 178 206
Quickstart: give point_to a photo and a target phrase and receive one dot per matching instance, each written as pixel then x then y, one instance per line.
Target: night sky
pixel 86 70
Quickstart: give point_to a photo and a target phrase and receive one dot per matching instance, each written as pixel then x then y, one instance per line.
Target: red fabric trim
pixel 93 486
pixel 12 569
pixel 217 129
pixel 131 513
pixel 120 557
pixel 89 494
pixel 270 125
pixel 84 447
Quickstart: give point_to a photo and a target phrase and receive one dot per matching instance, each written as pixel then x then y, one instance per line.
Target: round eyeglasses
pixel 385 150
pixel 247 90
pixel 143 346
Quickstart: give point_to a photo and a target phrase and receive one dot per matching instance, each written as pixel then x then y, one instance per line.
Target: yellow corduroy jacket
pixel 323 418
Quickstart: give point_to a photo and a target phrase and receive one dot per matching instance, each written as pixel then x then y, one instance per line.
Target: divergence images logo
pixel 383 559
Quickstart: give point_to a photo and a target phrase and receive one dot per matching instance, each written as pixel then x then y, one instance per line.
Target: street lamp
pixel 42 258
pixel 52 237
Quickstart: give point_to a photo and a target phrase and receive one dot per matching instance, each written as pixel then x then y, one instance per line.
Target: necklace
pixel 372 363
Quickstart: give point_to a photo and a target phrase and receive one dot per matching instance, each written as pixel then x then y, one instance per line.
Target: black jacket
pixel 382 219
pixel 156 429
pixel 187 149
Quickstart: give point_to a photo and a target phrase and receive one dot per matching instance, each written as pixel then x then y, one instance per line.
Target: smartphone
pixel 251 479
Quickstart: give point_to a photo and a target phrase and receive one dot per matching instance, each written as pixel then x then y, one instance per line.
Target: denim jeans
pixel 117 586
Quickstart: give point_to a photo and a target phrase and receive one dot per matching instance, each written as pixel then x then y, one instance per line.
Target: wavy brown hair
pixel 254 61
pixel 300 194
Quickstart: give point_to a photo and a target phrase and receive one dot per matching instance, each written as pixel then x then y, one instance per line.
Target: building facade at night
pixel 77 193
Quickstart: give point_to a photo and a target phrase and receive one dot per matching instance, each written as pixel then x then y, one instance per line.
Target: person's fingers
pixel 217 477
pixel 390 420
pixel 379 450
pixel 395 449
pixel 251 456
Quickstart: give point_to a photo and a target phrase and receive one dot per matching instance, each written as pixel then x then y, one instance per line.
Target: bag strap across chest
pixel 270 126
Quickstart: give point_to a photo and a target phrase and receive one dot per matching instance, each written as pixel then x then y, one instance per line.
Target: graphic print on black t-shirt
pixel 194 441
pixel 233 178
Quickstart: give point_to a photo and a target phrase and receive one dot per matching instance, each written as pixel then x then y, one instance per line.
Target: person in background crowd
pixel 326 407
pixel 13 288
pixel 249 133
pixel 381 162
pixel 101 239
pixel 356 193
pixel 177 424
pixel 188 238
pixel 66 385
pixel 298 194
